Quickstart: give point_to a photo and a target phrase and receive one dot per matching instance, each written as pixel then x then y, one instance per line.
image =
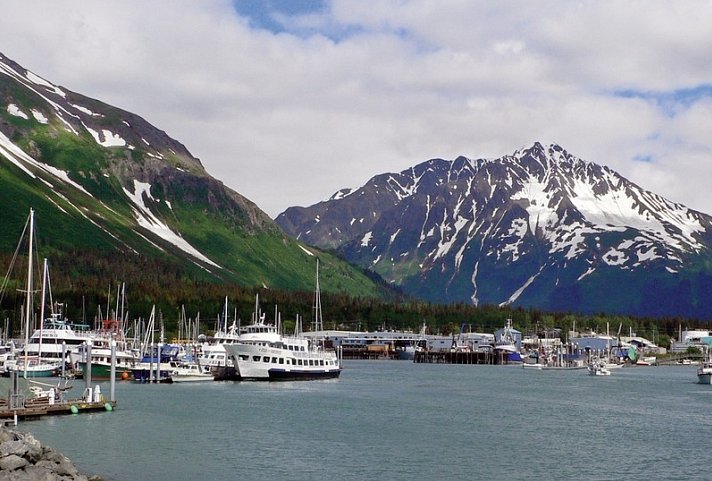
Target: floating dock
pixel 32 410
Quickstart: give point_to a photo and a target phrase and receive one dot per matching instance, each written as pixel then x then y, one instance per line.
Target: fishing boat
pixel 101 361
pixel 212 358
pixel 704 370
pixel 188 372
pixel 598 368
pixel 32 366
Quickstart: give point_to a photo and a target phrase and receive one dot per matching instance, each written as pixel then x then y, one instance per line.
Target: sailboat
pixel 30 363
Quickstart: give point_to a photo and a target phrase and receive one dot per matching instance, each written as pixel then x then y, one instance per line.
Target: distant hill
pixel 538 228
pixel 114 195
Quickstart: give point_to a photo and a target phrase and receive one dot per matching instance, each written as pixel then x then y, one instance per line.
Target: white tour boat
pixel 264 354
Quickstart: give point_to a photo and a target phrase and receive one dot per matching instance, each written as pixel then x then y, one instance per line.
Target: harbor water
pixel 399 420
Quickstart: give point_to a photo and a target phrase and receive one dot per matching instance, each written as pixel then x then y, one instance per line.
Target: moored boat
pixel 188 372
pixel 264 354
pixel 598 368
pixel 704 370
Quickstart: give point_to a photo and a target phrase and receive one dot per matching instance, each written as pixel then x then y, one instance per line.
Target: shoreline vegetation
pixel 24 458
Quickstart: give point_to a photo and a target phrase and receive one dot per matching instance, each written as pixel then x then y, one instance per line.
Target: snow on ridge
pixel 110 139
pixel 518 229
pixel 616 209
pixel 39 116
pixel 589 271
pixel 37 80
pixel 4 68
pixel 519 291
pixel 16 155
pixel 343 193
pixel 85 110
pixel 306 250
pixel 444 245
pixel 13 109
pixel 366 239
pixel 149 221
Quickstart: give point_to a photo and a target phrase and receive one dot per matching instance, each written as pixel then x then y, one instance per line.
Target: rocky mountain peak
pixel 510 230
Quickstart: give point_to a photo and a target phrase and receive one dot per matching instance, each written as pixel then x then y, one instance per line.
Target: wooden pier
pixel 460 357
pixel 73 406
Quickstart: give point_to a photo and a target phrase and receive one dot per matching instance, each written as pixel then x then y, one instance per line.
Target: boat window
pixel 255 358
pixel 244 357
pixel 299 361
pixel 321 362
pixel 281 360
pixel 274 360
pixel 265 359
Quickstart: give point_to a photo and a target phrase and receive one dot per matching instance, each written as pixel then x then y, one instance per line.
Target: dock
pixel 46 399
pixel 73 406
pixel 460 357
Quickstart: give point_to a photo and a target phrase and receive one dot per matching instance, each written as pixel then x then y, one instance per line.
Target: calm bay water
pixel 398 421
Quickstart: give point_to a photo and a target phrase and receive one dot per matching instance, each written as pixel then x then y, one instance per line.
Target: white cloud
pixel 361 88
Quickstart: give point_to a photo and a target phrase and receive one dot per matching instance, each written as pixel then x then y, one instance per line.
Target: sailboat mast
pixel 42 305
pixel 28 305
pixel 318 322
pixel 224 316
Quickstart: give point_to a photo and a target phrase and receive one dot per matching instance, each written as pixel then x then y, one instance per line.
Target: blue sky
pixel 269 14
pixel 672 102
pixel 288 102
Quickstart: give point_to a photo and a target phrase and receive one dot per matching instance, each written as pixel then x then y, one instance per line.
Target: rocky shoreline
pixel 23 458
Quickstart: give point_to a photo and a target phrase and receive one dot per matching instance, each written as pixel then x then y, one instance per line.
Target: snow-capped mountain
pixel 110 188
pixel 540 228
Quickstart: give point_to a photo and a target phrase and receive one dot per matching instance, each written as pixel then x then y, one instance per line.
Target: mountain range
pixel 110 190
pixel 538 228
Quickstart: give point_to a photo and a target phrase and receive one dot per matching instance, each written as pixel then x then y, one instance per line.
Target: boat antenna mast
pixel 318 321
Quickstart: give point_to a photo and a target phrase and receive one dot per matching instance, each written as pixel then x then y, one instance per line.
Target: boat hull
pixel 145 374
pixel 191 378
pixel 704 374
pixel 102 371
pixel 283 375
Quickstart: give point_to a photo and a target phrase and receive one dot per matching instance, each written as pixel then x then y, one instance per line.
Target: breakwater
pixel 23 458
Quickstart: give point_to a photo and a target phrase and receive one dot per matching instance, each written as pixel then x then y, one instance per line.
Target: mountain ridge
pixel 106 180
pixel 539 227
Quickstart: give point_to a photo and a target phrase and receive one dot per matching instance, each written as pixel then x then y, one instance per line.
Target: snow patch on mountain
pixel 85 110
pixel 107 138
pixel 150 222
pixel 39 116
pixel 37 80
pixel 17 156
pixel 13 109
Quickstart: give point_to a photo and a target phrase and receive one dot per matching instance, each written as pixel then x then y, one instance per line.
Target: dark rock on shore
pixel 23 458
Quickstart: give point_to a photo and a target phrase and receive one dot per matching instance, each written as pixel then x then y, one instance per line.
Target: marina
pixel 400 420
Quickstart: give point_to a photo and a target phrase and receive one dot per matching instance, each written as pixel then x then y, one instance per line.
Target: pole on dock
pixel 87 374
pixel 64 359
pixel 112 375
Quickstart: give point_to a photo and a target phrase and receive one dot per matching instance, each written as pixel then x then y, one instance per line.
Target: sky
pixel 288 102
